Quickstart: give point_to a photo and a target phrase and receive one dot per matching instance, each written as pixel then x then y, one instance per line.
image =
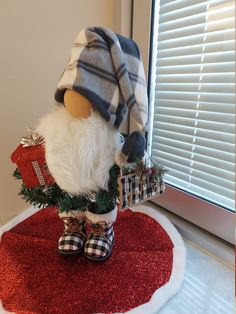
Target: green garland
pixel 104 201
pixel 53 195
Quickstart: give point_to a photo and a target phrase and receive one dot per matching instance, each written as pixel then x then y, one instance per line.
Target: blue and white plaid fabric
pixel 107 69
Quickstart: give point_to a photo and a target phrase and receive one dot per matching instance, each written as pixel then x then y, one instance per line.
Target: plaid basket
pixel 137 187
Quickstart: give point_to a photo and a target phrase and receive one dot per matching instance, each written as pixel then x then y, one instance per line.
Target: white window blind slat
pixel 180 181
pixel 227 77
pixel 191 105
pixel 202 68
pixel 196 96
pixel 189 135
pixel 208 111
pixel 194 103
pixel 227 53
pixel 176 121
pixel 195 9
pixel 194 87
pixel 192 42
pixel 180 172
pixel 201 158
pixel 197 176
pixel 214 161
pixel 212 38
pixel 183 12
pixel 169 111
pixel 203 154
pixel 217 188
pixel 197 20
pixel 170 5
pixel 194 24
pixel 207 181
pixel 206 168
pixel 202 133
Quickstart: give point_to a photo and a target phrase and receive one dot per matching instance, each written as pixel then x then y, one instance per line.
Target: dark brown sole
pixel 77 253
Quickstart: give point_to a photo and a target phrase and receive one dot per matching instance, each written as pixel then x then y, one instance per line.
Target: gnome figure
pixel 103 81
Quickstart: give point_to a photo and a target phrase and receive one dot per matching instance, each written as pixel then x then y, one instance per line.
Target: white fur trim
pixel 163 294
pixel 17 219
pixel 108 218
pixel 2 310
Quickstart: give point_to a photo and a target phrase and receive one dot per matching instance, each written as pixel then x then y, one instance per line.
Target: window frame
pixel 206 215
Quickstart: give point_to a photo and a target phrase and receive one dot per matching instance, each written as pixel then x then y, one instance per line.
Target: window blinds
pixel 193 119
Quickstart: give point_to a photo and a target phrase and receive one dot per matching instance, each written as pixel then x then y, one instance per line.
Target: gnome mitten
pixel 74 237
pixel 100 243
pixel 134 146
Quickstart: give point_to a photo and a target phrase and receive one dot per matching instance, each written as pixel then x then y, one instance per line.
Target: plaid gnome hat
pixel 106 68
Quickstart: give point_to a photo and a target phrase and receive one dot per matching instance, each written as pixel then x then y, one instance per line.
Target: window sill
pixel 203 240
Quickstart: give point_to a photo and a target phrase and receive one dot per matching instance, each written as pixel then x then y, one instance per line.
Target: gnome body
pixel 102 82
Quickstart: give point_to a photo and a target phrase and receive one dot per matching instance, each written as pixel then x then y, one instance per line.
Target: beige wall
pixel 36 38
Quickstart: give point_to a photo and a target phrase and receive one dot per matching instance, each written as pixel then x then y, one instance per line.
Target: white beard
pixel 79 152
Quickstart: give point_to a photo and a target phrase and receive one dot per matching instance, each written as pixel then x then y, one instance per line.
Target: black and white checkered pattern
pixel 136 189
pixel 107 69
pixel 99 247
pixel 71 243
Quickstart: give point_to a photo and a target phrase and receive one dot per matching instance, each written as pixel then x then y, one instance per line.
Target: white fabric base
pixel 109 218
pixel 163 294
pixel 17 219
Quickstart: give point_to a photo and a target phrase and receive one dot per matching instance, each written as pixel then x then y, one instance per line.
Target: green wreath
pixel 53 195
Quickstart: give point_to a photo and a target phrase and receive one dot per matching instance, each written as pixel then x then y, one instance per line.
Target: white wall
pixel 36 38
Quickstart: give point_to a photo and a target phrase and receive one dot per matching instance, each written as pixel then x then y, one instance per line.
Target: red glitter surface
pixel 23 157
pixel 35 279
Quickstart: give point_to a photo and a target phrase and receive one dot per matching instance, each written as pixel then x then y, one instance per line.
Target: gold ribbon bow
pixel 32 139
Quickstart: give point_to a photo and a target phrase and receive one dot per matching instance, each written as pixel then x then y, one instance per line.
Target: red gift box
pixel 32 165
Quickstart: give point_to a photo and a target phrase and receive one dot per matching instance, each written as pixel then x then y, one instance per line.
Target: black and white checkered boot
pixel 73 239
pixel 100 243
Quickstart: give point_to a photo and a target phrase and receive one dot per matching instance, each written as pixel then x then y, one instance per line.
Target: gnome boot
pixel 74 237
pixel 100 243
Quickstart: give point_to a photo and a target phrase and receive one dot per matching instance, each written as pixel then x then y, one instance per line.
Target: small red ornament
pixel 31 163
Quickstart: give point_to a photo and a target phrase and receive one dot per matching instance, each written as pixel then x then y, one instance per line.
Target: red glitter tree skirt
pixel 145 269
